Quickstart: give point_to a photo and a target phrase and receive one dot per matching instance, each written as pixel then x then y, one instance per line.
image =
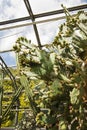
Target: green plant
pixel 58 101
pixel 9 101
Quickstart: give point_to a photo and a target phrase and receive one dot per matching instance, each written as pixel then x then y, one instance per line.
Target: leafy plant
pixel 58 101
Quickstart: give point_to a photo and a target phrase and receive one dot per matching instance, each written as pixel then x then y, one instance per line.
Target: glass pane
pixel 9 58
pixel 10 9
pixel 48 31
pixel 8 38
pixel 40 6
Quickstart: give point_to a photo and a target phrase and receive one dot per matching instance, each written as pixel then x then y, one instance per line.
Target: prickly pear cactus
pixel 59 70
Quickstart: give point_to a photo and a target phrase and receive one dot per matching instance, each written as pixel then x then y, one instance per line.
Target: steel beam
pixel 75 8
pixel 33 20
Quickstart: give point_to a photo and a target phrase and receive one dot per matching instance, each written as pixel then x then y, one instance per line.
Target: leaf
pixel 57 88
pixel 69 63
pixel 52 58
pixel 62 125
pixel 74 96
pixel 82 16
pixel 25 83
pixel 31 75
pixel 63 77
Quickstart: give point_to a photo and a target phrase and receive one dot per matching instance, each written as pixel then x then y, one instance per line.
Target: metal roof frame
pixel 33 17
pixel 33 20
pixel 75 8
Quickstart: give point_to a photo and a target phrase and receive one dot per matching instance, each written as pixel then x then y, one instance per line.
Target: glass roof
pixel 47 31
pixel 10 9
pixel 40 6
pixel 17 18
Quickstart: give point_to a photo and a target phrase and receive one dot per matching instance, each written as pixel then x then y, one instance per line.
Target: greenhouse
pixel 43 65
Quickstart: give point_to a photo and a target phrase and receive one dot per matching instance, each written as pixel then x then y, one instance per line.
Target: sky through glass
pixel 12 9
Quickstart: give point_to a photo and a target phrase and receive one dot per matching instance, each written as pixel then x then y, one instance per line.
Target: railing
pixel 1 92
pixel 5 70
pixel 7 128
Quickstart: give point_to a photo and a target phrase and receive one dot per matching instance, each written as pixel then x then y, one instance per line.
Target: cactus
pixel 61 70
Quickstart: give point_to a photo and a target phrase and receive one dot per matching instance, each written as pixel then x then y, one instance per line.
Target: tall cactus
pixel 62 66
pixel 25 83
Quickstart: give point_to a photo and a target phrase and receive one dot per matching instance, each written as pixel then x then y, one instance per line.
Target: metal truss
pixel 33 17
